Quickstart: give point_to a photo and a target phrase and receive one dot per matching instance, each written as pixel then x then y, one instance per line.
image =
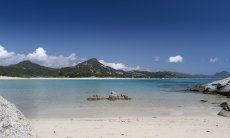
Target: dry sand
pixel 134 127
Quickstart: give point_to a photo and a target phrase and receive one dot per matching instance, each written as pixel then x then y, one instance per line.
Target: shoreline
pixel 89 78
pixel 180 127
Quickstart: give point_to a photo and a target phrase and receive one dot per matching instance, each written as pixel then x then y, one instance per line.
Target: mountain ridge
pixel 91 68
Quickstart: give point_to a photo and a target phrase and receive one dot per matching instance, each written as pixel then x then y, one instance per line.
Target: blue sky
pixel 124 34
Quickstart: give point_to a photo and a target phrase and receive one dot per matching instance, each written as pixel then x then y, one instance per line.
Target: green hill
pixel 92 68
pixel 89 68
pixel 28 69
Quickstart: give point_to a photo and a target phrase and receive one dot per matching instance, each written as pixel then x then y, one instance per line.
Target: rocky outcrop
pixel 115 96
pixel 221 86
pixel 13 124
pixel 112 97
pixel 217 87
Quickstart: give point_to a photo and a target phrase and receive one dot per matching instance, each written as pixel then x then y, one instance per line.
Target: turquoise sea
pixel 67 98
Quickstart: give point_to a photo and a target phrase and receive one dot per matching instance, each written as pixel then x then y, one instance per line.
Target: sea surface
pixel 67 98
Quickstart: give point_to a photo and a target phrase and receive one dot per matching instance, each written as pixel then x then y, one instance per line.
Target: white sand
pixel 134 127
pixel 7 78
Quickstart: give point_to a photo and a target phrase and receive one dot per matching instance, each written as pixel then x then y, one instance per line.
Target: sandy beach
pixel 134 127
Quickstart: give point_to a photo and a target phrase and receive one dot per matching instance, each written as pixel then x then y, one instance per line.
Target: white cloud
pixel 4 53
pixel 119 66
pixel 213 60
pixel 156 59
pixel 176 59
pixel 133 68
pixel 38 56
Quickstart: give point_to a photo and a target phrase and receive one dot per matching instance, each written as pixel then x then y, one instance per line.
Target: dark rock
pixel 115 96
pixel 224 104
pixel 197 88
pixel 215 103
pixel 126 97
pixel 224 113
pixel 96 97
pixel 203 101
pixel 225 110
pixel 112 97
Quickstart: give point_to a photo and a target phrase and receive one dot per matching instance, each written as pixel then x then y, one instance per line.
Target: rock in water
pixel 203 101
pixel 13 124
pixel 115 96
pixel 96 97
pixel 197 88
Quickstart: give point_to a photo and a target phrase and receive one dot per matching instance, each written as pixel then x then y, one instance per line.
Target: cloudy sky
pixel 189 36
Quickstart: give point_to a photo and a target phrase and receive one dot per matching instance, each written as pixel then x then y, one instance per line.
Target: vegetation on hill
pixel 92 68
pixel 28 69
pixel 89 68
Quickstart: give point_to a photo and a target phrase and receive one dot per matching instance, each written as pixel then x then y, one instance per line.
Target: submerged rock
pixel 96 97
pixel 112 97
pixel 13 124
pixel 115 96
pixel 197 88
pixel 203 101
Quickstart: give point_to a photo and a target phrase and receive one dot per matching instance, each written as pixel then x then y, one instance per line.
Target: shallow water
pixel 67 98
